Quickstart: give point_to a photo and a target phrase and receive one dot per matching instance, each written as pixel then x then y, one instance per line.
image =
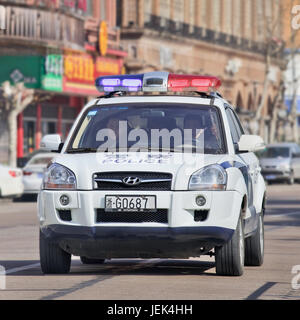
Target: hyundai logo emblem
pixel 131 181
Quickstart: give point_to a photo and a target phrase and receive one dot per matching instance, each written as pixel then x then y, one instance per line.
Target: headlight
pixel 59 177
pixel 212 177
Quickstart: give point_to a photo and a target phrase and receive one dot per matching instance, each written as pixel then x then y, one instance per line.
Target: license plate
pixel 270 177
pixel 130 203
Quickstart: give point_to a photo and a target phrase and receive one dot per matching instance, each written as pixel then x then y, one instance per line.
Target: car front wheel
pixel 53 259
pixel 230 257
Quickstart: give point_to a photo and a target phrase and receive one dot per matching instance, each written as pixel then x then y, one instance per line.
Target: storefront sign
pixel 79 68
pixel 26 69
pixel 53 73
pixel 103 38
pixel 105 66
pixel 81 71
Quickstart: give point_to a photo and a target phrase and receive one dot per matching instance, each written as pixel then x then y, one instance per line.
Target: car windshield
pixel 275 152
pixel 149 127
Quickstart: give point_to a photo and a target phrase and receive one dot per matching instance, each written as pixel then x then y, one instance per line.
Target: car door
pixel 248 162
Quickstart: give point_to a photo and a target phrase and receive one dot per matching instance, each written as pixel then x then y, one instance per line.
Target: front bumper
pixel 137 242
pixel 181 236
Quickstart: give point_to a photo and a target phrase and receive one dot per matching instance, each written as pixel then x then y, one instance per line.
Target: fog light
pixel 200 201
pixel 64 200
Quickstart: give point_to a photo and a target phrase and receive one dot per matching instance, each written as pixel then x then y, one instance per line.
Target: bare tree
pixel 293 119
pixel 278 102
pixel 273 46
pixel 15 99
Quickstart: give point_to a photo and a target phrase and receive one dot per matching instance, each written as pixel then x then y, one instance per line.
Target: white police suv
pixel 157 167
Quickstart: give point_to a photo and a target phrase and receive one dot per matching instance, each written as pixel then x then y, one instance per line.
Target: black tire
pixel 230 257
pixel 254 245
pixel 53 259
pixel 86 260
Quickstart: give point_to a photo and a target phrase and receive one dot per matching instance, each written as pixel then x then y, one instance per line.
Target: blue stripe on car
pixel 245 172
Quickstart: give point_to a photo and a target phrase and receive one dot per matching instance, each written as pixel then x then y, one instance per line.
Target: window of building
pixel 148 10
pixel 103 10
pixel 178 10
pixel 164 8
pixel 227 17
pixel 89 7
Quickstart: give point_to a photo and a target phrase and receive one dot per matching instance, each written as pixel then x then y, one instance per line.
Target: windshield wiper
pixel 82 150
pixel 155 149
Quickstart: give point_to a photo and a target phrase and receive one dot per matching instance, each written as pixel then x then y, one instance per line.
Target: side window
pixel 234 133
pixel 237 122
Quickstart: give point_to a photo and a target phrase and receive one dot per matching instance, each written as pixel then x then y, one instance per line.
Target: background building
pixel 57 47
pixel 230 39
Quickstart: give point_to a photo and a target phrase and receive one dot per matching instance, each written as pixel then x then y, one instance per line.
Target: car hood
pixel 181 166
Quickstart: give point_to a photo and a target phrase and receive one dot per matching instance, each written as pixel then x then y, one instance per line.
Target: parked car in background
pixel 10 182
pixel 33 172
pixel 281 162
pixel 21 162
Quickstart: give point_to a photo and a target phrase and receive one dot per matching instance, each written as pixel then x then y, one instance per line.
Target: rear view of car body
pixel 10 182
pixel 33 173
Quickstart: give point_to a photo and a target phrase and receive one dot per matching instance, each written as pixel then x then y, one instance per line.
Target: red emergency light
pixel 181 82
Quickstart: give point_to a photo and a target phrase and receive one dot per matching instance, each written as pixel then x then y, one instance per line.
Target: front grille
pixel 159 215
pixel 114 181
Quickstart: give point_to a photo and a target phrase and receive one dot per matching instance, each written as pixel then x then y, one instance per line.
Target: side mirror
pixel 51 143
pixel 250 143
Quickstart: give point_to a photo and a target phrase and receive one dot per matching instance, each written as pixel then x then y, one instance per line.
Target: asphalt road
pixel 136 279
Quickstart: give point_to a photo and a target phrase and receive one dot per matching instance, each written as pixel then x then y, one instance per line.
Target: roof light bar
pixel 158 82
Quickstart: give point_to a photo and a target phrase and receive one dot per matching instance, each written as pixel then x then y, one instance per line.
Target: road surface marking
pixel 30 266
pixel 261 290
pixel 283 214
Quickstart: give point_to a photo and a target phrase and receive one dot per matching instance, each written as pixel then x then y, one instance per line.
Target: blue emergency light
pixel 120 83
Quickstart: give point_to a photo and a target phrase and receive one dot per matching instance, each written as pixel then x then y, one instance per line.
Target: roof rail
pixel 111 94
pixel 216 94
